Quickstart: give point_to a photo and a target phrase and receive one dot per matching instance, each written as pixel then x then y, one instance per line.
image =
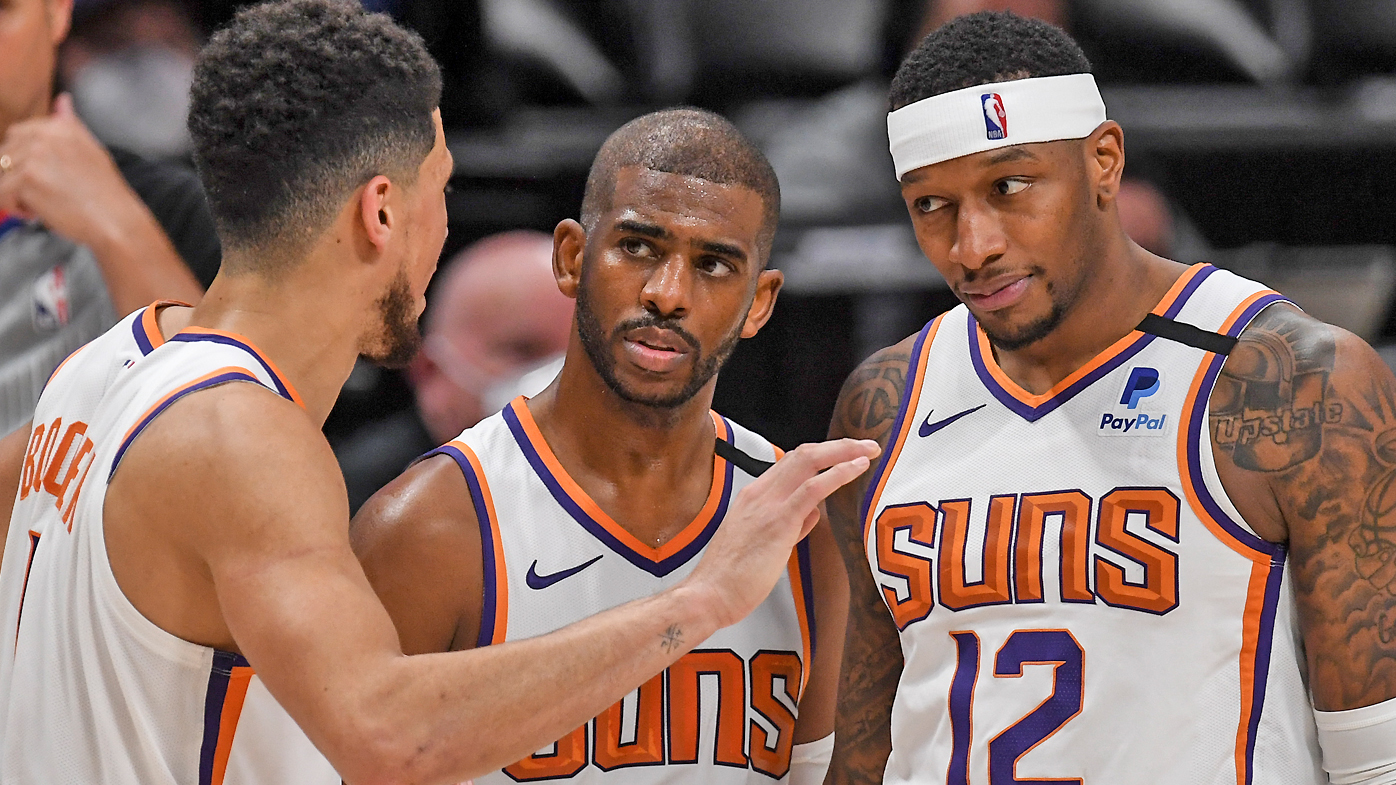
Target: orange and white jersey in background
pixel 725 712
pixel 90 690
pixel 1078 599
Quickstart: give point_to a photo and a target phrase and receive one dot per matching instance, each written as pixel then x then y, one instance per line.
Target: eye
pixel 1011 185
pixel 715 266
pixel 929 204
pixel 635 247
pixel 449 189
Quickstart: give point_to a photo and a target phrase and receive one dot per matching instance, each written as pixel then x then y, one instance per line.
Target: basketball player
pixel 1134 519
pixel 606 487
pixel 186 522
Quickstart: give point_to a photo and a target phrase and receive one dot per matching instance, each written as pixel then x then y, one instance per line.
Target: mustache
pixel 650 320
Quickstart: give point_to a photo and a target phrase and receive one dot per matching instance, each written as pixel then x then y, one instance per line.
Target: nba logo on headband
pixel 995 118
pixel 975 119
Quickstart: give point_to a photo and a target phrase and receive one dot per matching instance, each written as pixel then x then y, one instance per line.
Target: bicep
pixel 1304 431
pixel 270 531
pixel 419 543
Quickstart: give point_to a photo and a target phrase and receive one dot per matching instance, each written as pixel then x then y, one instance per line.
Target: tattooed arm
pixel 1303 422
pixel 872 658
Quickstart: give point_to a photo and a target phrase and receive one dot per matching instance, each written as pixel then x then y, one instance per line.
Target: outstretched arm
pixel 872 657
pixel 262 510
pixel 1303 422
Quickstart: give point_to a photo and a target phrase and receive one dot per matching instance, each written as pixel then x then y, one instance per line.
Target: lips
pixel 998 292
pixel 655 349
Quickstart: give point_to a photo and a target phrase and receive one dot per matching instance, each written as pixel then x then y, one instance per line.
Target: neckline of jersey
pixel 283 385
pixel 658 561
pixel 1033 407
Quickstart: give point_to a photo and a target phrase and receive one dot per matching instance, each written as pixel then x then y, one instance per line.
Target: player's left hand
pixel 61 175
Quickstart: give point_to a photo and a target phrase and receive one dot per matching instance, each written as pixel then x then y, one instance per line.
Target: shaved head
pixel 689 142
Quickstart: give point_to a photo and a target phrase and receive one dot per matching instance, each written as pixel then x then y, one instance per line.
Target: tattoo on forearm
pixel 671 638
pixel 1314 414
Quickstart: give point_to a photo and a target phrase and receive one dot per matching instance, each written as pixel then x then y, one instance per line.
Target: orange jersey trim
pixel 717 494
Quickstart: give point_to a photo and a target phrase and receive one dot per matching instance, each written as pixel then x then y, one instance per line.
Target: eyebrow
pixel 643 229
pixel 721 249
pixel 1008 156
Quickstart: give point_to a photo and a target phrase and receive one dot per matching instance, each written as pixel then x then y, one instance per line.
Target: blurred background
pixel 1261 136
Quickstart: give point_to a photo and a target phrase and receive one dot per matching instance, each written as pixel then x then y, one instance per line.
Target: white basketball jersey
pixel 90 690
pixel 1078 599
pixel 725 712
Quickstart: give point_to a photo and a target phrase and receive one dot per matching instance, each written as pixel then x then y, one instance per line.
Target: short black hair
pixel 295 104
pixel 983 48
pixel 686 141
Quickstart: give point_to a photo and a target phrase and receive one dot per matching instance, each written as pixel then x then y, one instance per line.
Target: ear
pixel 1105 163
pixel 60 19
pixel 375 215
pixel 569 243
pixel 768 285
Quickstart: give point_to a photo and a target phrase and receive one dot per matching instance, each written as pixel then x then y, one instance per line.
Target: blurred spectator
pixel 1146 216
pixel 78 246
pixel 497 328
pixel 129 64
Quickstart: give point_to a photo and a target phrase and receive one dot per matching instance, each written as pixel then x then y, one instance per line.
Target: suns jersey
pixel 723 713
pixel 90 690
pixel 1077 598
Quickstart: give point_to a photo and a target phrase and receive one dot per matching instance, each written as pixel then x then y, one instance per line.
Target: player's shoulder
pixel 426 510
pixel 1283 343
pixel 871 395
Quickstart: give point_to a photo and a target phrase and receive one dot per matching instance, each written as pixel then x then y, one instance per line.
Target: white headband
pixel 987 117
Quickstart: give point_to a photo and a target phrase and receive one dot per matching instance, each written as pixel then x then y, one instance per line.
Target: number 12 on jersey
pixel 1024 647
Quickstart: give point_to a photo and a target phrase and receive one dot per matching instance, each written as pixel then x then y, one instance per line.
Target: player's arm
pixel 418 540
pixel 263 509
pixel 1304 431
pixel 872 656
pixel 11 464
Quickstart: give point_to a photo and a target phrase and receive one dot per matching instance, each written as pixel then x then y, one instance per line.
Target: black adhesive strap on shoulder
pixel 1186 334
pixel 729 452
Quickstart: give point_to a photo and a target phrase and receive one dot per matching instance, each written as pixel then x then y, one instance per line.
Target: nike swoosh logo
pixel 536 581
pixel 928 427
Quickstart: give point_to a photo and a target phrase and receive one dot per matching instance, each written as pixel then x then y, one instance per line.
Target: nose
pixel 979 237
pixel 666 291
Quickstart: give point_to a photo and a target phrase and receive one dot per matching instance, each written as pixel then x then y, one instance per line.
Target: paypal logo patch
pixel 1142 383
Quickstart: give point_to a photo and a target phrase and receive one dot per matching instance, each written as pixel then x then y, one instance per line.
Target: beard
pixel 597 345
pixel 397 339
pixel 1037 329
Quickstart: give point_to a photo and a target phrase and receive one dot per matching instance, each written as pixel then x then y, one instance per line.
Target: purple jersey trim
pixel 482 516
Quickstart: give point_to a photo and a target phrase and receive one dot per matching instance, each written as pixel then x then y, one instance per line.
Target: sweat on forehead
pixel 690 142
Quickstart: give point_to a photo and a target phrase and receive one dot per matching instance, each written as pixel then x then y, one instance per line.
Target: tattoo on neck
pixel 671 638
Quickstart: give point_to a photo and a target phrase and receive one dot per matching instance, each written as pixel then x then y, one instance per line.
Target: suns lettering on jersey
pixel 56 462
pixel 1130 570
pixel 674 736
